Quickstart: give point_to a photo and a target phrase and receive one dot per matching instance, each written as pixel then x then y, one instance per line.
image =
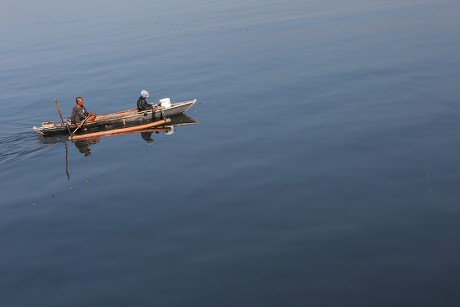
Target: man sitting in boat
pixel 79 113
pixel 142 104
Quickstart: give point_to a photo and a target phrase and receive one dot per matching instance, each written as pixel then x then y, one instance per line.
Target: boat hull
pixel 111 120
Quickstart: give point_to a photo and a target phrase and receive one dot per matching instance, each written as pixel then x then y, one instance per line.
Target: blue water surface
pixel 322 169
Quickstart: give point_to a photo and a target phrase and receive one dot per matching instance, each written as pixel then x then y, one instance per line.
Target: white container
pixel 165 102
pixel 48 125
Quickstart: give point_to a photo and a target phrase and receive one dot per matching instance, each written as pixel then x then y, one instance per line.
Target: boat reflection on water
pixel 84 146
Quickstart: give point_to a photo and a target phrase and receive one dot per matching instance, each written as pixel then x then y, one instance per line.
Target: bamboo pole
pixel 67 161
pixel 60 115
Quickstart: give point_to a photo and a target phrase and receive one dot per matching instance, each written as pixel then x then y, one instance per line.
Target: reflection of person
pixel 147 136
pixel 79 113
pixel 83 146
pixel 142 104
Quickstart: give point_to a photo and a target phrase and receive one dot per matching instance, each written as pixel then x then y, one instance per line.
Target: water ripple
pixel 19 146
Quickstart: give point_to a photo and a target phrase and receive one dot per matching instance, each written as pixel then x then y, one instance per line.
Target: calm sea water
pixel 322 171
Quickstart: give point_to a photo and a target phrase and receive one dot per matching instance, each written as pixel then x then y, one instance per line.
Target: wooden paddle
pixel 60 115
pixel 78 127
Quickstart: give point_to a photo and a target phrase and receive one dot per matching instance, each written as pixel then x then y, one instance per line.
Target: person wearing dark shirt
pixel 142 104
pixel 79 113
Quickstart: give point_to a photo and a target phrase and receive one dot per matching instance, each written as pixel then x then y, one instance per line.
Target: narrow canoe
pixel 110 120
pixel 176 121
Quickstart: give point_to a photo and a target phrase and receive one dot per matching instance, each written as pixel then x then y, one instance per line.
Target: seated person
pixel 142 104
pixel 79 113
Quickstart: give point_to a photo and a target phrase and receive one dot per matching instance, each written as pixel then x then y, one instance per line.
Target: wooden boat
pixel 168 128
pixel 109 121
